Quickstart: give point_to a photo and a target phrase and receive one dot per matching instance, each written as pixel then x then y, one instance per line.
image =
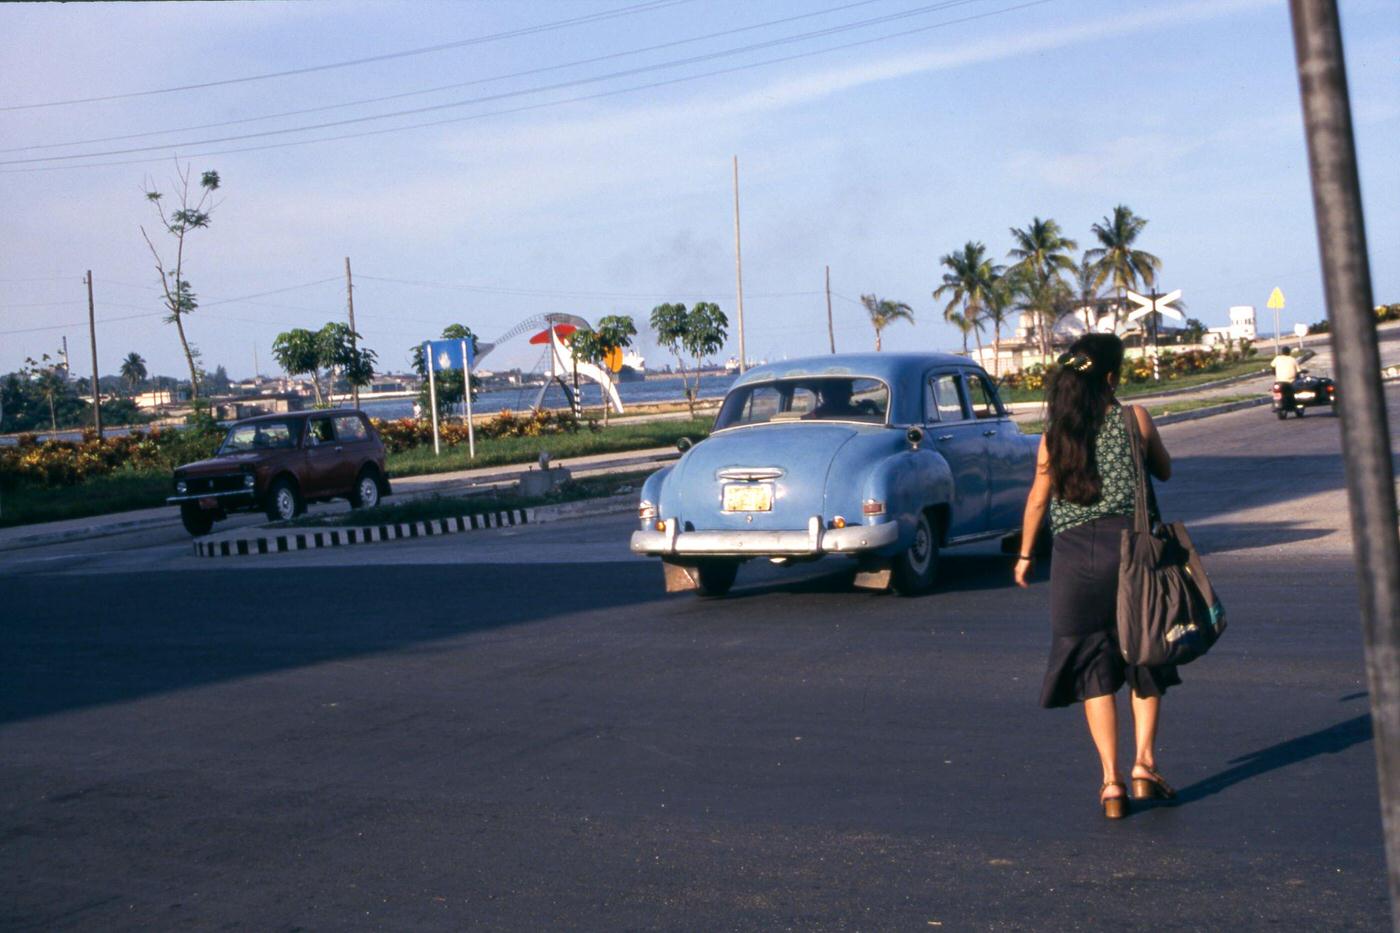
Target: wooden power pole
pixel 92 338
pixel 1346 279
pixel 350 302
pixel 830 328
pixel 739 272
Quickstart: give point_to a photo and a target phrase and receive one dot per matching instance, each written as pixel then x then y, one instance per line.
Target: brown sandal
pixel 1114 808
pixel 1145 788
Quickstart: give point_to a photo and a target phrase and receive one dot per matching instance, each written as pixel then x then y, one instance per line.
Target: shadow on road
pixel 1236 536
pixel 68 643
pixel 1327 741
pixel 957 573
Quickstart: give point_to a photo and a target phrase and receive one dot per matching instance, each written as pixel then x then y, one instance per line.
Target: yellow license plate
pixel 748 497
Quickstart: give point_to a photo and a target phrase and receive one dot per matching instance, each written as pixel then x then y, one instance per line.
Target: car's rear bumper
pixel 815 541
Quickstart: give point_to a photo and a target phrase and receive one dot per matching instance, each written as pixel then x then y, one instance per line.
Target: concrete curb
pixel 308 538
pixel 1196 413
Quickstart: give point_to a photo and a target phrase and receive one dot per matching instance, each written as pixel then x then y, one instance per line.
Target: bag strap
pixel 1141 520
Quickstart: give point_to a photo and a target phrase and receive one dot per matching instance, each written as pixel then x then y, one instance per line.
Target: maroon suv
pixel 278 463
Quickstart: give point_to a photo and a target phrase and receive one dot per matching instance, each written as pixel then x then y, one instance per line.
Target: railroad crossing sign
pixel 1275 299
pixel 1159 303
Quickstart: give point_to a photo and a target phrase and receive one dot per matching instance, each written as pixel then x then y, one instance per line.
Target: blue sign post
pixel 443 355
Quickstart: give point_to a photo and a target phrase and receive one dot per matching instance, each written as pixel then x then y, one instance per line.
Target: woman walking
pixel 1085 477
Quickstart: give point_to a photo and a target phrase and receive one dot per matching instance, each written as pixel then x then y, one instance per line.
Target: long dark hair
pixel 1077 399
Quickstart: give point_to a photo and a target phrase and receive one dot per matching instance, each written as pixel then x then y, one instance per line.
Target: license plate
pixel 208 502
pixel 748 497
pixel 1307 395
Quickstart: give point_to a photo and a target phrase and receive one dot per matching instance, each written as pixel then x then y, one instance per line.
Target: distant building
pixel 1241 327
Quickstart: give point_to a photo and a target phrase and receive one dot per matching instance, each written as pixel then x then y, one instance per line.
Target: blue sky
pixel 875 159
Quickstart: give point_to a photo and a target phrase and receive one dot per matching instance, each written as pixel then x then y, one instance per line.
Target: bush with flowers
pixel 406 433
pixel 66 463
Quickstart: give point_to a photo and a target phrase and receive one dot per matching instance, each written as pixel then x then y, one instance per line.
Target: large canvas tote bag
pixel 1168 613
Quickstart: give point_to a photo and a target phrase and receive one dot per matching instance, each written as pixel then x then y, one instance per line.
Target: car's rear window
pixel 819 398
pixel 263 435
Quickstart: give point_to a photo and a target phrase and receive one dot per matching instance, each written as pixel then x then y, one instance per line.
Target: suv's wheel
pixel 365 495
pixel 283 501
pixel 196 520
pixel 916 568
pixel 715 577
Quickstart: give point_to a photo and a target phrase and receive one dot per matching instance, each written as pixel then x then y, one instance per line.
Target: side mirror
pixel 684 444
pixel 915 436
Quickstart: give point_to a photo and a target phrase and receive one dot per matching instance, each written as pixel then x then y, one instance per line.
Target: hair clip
pixel 1077 362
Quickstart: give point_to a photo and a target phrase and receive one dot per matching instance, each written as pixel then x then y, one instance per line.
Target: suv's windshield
pixel 816 398
pixel 263 435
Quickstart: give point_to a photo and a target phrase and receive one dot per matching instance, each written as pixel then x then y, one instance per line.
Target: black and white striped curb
pixel 306 539
pixel 284 540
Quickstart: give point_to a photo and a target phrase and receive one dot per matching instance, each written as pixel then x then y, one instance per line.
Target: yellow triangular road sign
pixel 1275 299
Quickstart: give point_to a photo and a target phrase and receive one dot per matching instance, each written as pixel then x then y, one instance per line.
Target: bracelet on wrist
pixel 1025 557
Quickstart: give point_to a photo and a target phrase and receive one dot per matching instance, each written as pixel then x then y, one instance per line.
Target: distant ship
pixel 634 368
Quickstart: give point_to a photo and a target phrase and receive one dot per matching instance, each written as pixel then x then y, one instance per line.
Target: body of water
pixel 652 390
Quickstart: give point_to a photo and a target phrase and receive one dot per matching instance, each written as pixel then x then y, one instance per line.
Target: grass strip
pixel 503 451
pixel 1159 410
pixel 429 508
pixel 121 491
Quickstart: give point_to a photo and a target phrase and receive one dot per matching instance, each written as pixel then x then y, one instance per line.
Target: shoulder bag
pixel 1168 612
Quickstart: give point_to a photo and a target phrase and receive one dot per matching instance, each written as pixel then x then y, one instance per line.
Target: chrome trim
pixel 814 541
pixel 749 474
pixel 195 497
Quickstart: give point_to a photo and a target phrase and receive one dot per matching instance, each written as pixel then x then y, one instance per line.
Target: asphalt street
pixel 514 729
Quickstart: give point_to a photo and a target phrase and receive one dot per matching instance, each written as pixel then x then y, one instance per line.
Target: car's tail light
pixel 646 511
pixel 872 507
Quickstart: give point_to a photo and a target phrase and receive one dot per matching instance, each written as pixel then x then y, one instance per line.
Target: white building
pixel 1241 327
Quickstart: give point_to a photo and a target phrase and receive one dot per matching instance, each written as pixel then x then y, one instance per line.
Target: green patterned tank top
pixel 1117 475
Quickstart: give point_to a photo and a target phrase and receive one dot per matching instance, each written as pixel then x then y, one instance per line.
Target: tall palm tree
pixel 1042 254
pixel 1088 278
pixel 968 283
pixel 1122 265
pixel 884 312
pixel 133 371
pixel 965 325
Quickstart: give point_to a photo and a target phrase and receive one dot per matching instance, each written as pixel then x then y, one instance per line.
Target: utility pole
pixel 830 328
pixel 739 271
pixel 1346 275
pixel 92 337
pixel 350 301
pixel 255 363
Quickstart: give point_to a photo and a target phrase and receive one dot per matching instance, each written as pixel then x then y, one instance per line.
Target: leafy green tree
pixel 451 388
pixel 1119 261
pixel 179 298
pixel 218 381
pixel 1194 331
pixel 613 334
pixel 1042 254
pixel 884 312
pixel 298 352
pixel 133 371
pixel 968 284
pixel 698 332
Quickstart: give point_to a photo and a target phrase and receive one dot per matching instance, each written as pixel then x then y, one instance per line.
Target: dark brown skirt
pixel 1084 658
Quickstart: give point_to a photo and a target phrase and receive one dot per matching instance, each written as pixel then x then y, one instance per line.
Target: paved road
pixel 515 730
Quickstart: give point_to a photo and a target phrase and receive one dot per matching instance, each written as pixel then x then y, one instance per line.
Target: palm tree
pixel 884 312
pixel 968 283
pixel 1120 263
pixel 1042 254
pixel 1088 277
pixel 965 325
pixel 133 371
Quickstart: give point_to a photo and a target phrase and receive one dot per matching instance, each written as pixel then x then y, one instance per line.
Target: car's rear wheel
pixel 715 577
pixel 916 568
pixel 365 495
pixel 283 501
pixel 197 521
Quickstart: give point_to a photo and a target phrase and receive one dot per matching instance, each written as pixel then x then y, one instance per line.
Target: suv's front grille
pixel 205 484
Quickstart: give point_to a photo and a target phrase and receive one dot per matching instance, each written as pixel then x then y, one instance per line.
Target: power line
pixel 544 293
pixel 449 87
pixel 476 40
pixel 529 107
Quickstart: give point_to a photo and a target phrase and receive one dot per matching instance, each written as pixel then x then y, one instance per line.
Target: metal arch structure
pixel 562 362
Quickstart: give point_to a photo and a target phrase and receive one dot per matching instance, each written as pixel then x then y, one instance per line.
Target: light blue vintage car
pixel 884 458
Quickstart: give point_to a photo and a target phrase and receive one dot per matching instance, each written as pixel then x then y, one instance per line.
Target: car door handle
pixel 945 437
pixel 989 432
